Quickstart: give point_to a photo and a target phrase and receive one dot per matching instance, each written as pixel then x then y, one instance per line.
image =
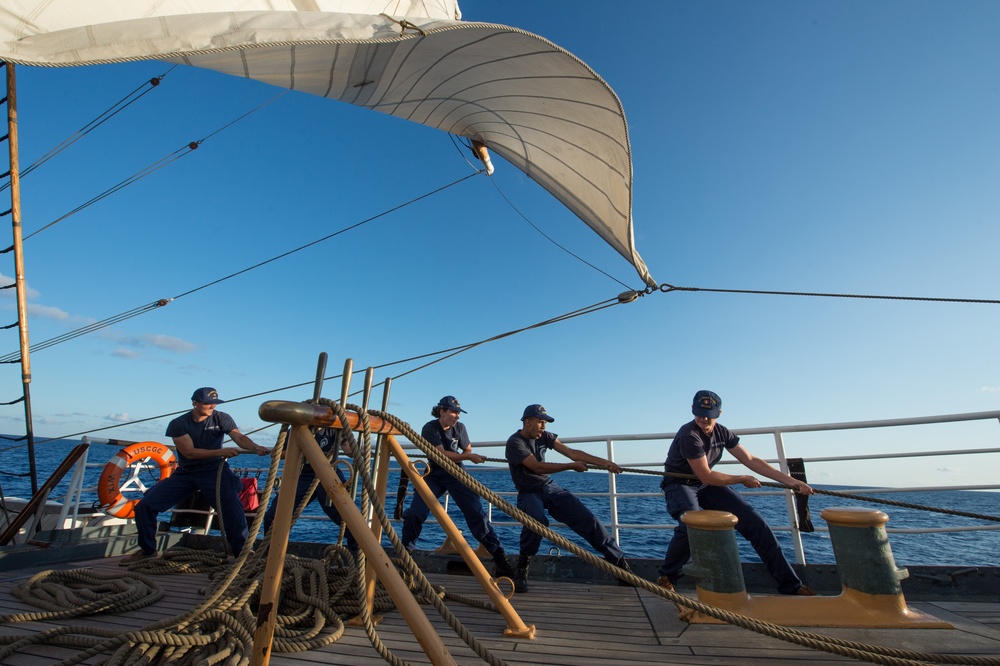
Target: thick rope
pixel 423 586
pixel 871 653
pixel 819 491
pixel 220 629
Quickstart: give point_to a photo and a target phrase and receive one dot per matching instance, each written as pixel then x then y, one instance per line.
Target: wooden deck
pixel 577 624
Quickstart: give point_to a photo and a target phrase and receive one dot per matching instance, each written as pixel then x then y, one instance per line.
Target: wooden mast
pixel 22 302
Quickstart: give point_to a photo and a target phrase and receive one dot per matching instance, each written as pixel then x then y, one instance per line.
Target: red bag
pixel 248 496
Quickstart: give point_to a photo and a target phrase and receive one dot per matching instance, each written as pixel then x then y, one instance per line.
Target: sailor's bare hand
pixel 751 481
pixel 229 452
pixel 476 458
pixel 613 467
pixel 802 488
pixel 578 466
pixel 261 450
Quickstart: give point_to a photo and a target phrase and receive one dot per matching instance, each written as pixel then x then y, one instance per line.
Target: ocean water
pixel 971 548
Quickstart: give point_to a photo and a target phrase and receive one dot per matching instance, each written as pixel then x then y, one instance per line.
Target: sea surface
pixel 642 505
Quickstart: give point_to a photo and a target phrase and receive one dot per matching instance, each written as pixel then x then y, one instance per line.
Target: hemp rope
pixel 225 631
pixel 153 645
pixel 871 653
pixel 422 585
pixel 818 491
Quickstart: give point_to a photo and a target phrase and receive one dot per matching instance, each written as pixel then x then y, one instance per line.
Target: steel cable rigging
pixel 119 106
pixel 148 170
pixel 444 354
pixel 14 357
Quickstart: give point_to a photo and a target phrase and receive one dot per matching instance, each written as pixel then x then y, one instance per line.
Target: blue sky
pixel 849 147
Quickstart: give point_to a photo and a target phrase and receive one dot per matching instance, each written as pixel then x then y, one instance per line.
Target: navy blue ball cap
pixel 706 404
pixel 449 402
pixel 207 396
pixel 538 412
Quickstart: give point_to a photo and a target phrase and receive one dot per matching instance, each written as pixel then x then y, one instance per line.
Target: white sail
pixel 525 98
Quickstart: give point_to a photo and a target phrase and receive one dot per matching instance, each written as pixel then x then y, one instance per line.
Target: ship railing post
pixel 800 553
pixel 613 493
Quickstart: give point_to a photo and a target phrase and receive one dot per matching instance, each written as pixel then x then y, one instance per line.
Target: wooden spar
pixel 515 626
pixel 22 299
pixel 420 626
pixel 300 413
pixel 381 465
pixel 267 611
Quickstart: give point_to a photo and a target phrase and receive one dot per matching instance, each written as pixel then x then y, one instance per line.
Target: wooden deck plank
pixel 615 624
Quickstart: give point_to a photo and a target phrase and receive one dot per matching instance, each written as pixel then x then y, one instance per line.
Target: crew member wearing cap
pixel 450 436
pixel 538 493
pixel 198 437
pixel 696 448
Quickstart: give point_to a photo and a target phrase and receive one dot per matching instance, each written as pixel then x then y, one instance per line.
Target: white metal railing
pixel 613 497
pixel 778 433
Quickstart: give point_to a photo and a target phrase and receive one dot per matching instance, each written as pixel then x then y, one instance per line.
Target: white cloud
pixel 988 389
pixel 47 312
pixel 164 342
pixel 118 418
pixel 125 353
pixel 169 343
pixel 10 293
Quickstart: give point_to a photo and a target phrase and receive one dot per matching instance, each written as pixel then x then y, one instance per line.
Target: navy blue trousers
pixel 751 525
pixel 305 480
pixel 567 508
pixel 468 503
pixel 168 492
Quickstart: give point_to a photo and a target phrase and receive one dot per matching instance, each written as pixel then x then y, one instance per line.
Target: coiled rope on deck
pixel 870 653
pixel 220 629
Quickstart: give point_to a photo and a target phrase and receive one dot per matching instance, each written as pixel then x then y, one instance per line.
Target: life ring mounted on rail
pixel 110 486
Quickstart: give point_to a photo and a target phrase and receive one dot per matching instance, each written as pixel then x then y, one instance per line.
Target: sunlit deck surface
pixel 577 624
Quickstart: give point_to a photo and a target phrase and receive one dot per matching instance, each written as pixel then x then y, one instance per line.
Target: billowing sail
pixel 526 99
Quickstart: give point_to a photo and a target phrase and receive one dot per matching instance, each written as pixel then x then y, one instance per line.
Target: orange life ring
pixel 109 486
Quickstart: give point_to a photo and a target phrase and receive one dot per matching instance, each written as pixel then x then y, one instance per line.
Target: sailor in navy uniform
pixel 450 436
pixel 198 436
pixel 538 493
pixel 696 448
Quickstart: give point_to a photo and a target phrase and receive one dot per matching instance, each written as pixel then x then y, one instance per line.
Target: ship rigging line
pixel 667 288
pixel 105 116
pixel 15 357
pixel 524 217
pixel 444 353
pixel 152 168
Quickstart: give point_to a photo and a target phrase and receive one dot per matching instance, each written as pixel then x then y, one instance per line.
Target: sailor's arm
pixel 764 468
pixel 710 477
pixel 246 443
pixel 586 458
pixel 185 446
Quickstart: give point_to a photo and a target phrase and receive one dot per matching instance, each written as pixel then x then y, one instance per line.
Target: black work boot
pixel 623 565
pixel 521 573
pixel 501 567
